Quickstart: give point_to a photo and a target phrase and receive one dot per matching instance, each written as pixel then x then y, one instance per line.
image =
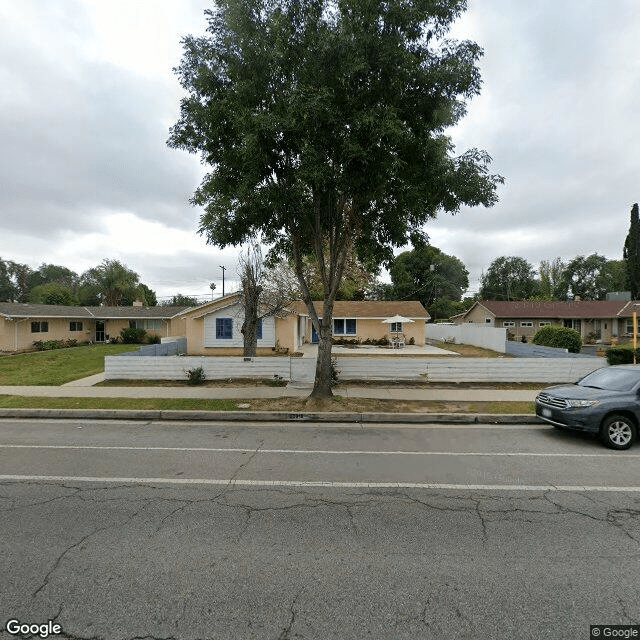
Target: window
pixel 75 326
pixel 259 329
pixel 147 325
pixel 224 328
pixel 488 320
pixel 39 327
pixel 344 326
pixel 526 323
pixel 545 323
pixel 508 323
pixel 396 327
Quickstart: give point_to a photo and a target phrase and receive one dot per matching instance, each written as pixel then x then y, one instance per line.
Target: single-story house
pixel 600 320
pixel 22 324
pixel 214 328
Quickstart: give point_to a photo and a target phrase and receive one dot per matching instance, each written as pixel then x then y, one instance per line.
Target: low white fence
pixel 475 334
pixel 354 368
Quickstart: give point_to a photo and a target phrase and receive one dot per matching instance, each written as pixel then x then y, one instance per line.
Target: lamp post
pixel 223 269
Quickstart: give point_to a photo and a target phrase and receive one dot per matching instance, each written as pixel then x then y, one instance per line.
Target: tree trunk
pixel 250 324
pixel 323 382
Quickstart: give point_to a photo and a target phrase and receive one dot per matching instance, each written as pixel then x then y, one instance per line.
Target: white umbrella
pixel 397 320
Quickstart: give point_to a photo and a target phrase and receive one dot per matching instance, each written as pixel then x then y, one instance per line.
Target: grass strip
pixel 281 404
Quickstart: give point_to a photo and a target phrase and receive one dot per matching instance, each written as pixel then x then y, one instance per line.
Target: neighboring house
pixel 600 319
pixel 214 328
pixel 22 324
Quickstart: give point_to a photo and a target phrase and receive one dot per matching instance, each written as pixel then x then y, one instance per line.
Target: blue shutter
pixel 259 329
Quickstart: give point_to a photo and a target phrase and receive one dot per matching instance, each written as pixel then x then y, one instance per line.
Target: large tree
pixel 509 278
pixel 431 276
pixel 323 125
pixel 553 284
pixel 631 253
pixel 112 283
pixel 591 277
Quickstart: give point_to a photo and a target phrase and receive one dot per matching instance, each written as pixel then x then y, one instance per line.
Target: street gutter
pixel 271 416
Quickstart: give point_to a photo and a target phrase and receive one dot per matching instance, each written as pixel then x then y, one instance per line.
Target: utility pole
pixel 223 269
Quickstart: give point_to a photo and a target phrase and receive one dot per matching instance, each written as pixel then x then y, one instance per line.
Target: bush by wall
pixel 49 345
pixel 558 337
pixel 133 336
pixel 622 355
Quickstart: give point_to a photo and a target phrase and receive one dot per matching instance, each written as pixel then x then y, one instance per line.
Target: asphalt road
pixel 184 530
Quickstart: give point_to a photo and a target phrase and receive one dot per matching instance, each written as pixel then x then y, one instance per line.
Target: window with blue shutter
pixel 224 328
pixel 259 329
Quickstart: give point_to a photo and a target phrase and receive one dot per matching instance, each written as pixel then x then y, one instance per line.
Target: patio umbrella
pixel 397 320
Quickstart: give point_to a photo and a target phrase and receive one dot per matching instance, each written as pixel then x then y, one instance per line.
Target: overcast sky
pixel 88 95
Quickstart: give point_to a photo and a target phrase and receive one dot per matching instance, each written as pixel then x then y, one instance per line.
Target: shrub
pixel 196 375
pixel 412 340
pixel 133 336
pixel 153 339
pixel 622 355
pixel 558 337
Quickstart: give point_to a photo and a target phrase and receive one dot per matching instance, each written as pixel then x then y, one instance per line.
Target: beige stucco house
pixel 601 320
pixel 22 324
pixel 214 328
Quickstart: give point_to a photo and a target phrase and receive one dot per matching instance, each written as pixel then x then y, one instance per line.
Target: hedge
pixel 559 337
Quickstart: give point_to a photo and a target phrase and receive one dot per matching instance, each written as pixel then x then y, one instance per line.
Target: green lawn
pixel 58 366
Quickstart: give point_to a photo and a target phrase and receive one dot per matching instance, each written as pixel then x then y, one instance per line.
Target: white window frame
pixel 509 323
pixel 526 324
pixel 545 323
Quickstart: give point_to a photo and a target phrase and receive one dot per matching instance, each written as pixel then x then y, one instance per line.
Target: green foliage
pixel 113 284
pixel 180 300
pixel 622 354
pixel 130 335
pixel 50 345
pixel 509 278
pixel 196 375
pixel 52 293
pixel 591 277
pixel 153 339
pixel 631 254
pixel 558 337
pixel 430 276
pixel 553 285
pixel 322 127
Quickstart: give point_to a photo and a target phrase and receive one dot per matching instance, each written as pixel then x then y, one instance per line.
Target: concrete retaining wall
pixel 353 368
pixel 474 334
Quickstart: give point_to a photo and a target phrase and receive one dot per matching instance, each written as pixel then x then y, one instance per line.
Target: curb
pixel 272 416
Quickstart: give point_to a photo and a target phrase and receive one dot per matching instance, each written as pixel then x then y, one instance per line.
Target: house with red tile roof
pixel 601 320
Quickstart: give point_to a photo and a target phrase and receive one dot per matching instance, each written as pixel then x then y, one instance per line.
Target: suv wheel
pixel 618 432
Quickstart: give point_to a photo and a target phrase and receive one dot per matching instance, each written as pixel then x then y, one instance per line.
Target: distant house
pixel 601 319
pixel 214 328
pixel 22 324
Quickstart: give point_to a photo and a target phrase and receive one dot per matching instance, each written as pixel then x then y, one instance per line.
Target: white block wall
pixel 474 334
pixel 176 367
pixel 352 368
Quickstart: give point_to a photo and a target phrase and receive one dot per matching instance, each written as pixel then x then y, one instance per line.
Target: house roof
pixel 26 310
pixel 556 309
pixel 369 309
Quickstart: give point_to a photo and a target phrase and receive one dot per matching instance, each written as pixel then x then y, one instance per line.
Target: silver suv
pixel 606 402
